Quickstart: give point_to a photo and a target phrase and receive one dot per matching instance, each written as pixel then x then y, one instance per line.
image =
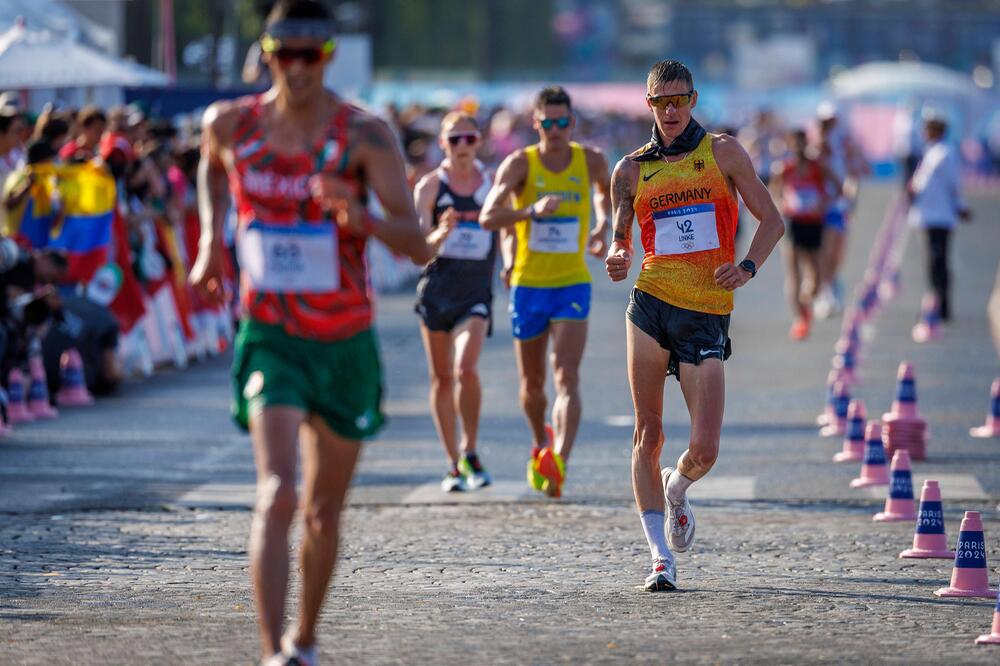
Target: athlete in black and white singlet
pixel 455 295
pixel 458 283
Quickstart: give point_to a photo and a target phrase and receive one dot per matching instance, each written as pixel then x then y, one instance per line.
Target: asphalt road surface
pixel 124 524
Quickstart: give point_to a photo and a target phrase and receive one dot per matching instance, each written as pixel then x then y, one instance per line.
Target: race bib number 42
pixel 298 258
pixel 557 235
pixel 686 229
pixel 467 241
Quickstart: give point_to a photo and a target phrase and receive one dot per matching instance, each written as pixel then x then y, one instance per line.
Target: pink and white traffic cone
pixel 38 393
pixel 928 329
pixel 849 341
pixel 17 409
pixel 844 363
pixel 992 638
pixel 854 438
pixel 905 404
pixel 888 287
pixel 837 422
pixel 929 539
pixel 992 427
pixel 873 469
pixel 72 384
pixel 970 576
pixel 899 503
pixel 829 410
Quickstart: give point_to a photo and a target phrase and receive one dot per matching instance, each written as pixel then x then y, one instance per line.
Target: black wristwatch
pixel 749 267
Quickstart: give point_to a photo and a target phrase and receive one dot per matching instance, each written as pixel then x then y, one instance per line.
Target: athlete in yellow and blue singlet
pixel 543 192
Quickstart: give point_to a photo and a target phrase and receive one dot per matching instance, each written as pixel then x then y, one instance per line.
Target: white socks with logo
pixel 652 525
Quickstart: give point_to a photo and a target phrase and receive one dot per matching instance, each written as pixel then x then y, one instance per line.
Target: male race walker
pixel 306 375
pixel 682 187
pixel 544 193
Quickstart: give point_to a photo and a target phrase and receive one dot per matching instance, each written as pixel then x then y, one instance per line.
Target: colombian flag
pixel 71 208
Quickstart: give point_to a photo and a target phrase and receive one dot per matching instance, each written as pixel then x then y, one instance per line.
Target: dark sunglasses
pixel 469 139
pixel 677 101
pixel 309 55
pixel 561 123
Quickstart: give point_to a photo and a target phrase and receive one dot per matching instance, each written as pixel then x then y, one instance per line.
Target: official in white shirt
pixel 936 204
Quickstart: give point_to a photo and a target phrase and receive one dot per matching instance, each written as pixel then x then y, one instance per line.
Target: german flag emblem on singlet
pixel 699 165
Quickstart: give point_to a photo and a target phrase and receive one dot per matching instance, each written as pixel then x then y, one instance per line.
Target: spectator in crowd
pixel 20 182
pixel 25 298
pixel 90 125
pixel 79 323
pixel 10 151
pixel 54 127
pixel 10 143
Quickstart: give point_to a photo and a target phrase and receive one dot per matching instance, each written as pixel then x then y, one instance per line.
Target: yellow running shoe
pixel 552 467
pixel 535 480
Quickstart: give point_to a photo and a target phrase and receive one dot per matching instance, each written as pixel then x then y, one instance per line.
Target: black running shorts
pixel 689 336
pixel 806 235
pixel 440 313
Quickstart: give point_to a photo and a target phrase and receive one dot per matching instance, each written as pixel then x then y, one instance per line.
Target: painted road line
pixel 724 488
pixel 498 491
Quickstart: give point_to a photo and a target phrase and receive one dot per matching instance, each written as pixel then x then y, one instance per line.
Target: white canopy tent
pixel 895 79
pixel 53 68
pixel 56 17
pixel 31 59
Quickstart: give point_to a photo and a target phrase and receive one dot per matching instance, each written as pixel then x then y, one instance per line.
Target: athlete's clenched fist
pixel 618 262
pixel 341 198
pixel 546 205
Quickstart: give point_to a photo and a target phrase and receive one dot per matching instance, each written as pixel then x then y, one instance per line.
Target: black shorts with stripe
pixel 689 336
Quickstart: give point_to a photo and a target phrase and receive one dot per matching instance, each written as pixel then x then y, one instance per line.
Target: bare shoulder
pixel 514 168
pixel 369 131
pixel 729 153
pixel 220 120
pixel 429 180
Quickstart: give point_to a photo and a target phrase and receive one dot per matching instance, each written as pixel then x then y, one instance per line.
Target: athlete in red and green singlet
pixel 306 372
pixel 682 186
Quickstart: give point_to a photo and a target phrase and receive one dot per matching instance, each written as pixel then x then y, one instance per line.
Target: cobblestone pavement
pixel 500 584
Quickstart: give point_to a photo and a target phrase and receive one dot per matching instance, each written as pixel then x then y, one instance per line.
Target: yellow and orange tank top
pixel 550 250
pixel 687 220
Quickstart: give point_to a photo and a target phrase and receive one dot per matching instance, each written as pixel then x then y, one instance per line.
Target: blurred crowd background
pixel 101 104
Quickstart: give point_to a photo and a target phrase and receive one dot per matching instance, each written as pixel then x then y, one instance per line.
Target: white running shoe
pixel 680 519
pixel 453 482
pixel 295 655
pixel 474 473
pixel 663 578
pixel 824 305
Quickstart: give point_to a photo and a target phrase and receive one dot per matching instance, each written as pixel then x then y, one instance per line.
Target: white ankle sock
pixel 652 525
pixel 677 485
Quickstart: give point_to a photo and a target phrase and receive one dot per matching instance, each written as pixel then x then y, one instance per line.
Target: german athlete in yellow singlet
pixel 682 187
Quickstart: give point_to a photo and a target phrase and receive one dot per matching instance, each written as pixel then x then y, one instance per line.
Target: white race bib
pixel 300 258
pixel 686 229
pixel 802 200
pixel 468 240
pixel 556 235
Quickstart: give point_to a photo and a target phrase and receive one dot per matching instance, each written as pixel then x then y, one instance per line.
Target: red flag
pixel 127 305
